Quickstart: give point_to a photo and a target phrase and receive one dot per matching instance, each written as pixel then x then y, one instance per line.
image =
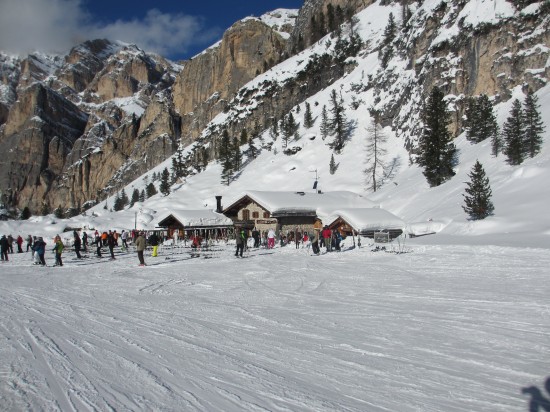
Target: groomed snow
pixel 441 328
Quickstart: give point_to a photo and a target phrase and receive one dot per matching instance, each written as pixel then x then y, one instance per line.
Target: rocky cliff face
pixel 247 49
pixel 71 123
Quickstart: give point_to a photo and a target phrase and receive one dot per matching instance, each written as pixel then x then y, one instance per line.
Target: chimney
pixel 219 208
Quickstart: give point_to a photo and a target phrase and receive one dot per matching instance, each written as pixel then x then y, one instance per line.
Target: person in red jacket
pixel 19 244
pixel 326 234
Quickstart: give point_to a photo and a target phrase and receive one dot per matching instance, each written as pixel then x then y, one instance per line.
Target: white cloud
pixel 57 25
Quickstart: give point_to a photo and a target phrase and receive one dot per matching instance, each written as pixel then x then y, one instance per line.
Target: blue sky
pixel 173 28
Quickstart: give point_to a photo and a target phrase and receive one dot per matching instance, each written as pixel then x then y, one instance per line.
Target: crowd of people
pixel 82 241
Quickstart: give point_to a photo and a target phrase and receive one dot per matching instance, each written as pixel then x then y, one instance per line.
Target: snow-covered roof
pixel 323 204
pixel 200 217
pixel 365 219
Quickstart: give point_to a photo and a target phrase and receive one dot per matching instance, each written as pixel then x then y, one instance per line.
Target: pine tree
pixel 513 132
pixel 151 190
pixel 333 167
pixel 477 199
pixel 135 197
pixel 178 165
pixel 337 123
pixel 325 130
pixel 375 152
pixel 118 203
pixel 436 148
pixel 26 213
pixel 533 126
pixel 165 182
pixel 389 36
pixel 58 212
pixel 124 197
pixel 227 171
pixel 289 128
pixel 237 155
pixel 252 151
pixel 496 144
pixel 481 123
pixel 142 196
pixel 45 210
pixel 308 117
pixel 389 31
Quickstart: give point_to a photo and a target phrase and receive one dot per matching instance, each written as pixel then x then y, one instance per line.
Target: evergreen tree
pixel 333 167
pixel 375 151
pixel 436 148
pixel 289 128
pixel 118 204
pixel 26 213
pixel 308 117
pixel 481 123
pixel 178 165
pixel 237 155
pixel 513 132
pixel 151 190
pixel 224 147
pixel 496 144
pixel 252 151
pixel 533 126
pixel 142 196
pixel 227 171
pixel 124 197
pixel 477 199
pixel 58 212
pixel 204 157
pixel 389 31
pixel 135 197
pixel 337 123
pixel 389 36
pixel 165 182
pixel 46 210
pixel 325 130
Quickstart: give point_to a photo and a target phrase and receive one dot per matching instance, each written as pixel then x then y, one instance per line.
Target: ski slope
pixel 440 328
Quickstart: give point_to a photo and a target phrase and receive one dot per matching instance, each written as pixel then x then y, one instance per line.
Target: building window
pixel 255 215
pixel 246 214
pixel 266 215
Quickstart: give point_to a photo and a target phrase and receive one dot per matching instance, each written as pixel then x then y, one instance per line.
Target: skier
pixel 326 234
pixel 140 247
pixel 10 243
pixel 4 248
pixel 315 242
pixel 77 244
pixel 111 243
pixel 58 249
pixel 97 242
pixel 124 237
pixel 29 243
pixel 19 244
pixel 40 248
pixel 154 241
pixel 85 242
pixel 240 241
pixel 256 236
pixel 270 239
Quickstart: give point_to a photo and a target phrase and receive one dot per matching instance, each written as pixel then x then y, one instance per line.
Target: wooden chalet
pixel 289 211
pixel 205 223
pixel 366 222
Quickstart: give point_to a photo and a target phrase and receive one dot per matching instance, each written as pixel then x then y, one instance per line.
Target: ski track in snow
pixel 454 328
